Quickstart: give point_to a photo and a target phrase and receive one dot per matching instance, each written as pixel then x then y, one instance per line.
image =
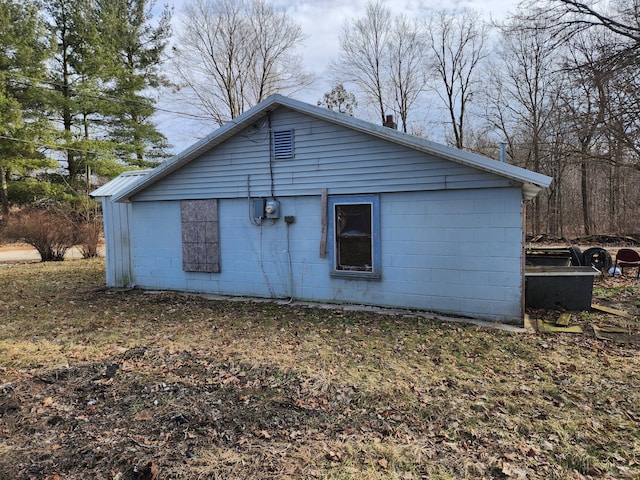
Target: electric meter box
pixel 258 208
pixel 272 208
pixel 268 208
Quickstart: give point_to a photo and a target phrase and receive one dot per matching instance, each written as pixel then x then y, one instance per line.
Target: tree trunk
pixel 584 185
pixel 137 140
pixel 613 224
pixel 4 194
pixel 536 168
pixel 67 117
pixel 560 214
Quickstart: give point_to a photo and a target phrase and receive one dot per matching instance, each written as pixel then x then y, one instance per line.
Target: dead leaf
pixel 507 469
pixel 144 416
pixel 512 471
pixel 334 456
pixel 384 464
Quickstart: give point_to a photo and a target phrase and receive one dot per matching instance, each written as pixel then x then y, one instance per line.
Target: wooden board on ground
pixel 613 311
pixel 615 334
pixel 564 319
pixel 547 326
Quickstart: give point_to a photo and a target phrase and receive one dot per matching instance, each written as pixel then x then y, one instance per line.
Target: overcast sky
pixel 321 21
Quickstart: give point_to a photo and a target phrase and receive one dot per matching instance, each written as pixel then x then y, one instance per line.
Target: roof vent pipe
pixel 389 123
pixel 503 152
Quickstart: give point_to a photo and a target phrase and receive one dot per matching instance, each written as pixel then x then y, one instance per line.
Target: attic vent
pixel 283 144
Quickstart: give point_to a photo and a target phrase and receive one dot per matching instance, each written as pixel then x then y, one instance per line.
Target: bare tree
pixel 623 111
pixel 525 95
pixel 382 55
pixel 405 60
pixel 457 43
pixel 584 100
pixel 601 102
pixel 362 54
pixel 620 17
pixel 232 54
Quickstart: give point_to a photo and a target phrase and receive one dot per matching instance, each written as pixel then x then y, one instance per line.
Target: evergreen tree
pixel 72 75
pixel 22 57
pixel 134 49
pixel 107 60
pixel 339 100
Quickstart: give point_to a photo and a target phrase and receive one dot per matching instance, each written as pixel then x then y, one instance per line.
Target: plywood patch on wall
pixel 200 237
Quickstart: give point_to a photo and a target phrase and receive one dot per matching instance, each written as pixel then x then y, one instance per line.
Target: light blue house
pixel 290 200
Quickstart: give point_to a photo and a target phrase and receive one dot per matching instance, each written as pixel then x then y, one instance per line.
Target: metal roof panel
pixel 120 182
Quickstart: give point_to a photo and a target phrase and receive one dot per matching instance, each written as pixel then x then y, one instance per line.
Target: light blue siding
pixel 117 243
pixel 435 253
pixel 326 155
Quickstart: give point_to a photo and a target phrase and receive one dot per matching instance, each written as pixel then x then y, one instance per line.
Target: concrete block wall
pixel 451 251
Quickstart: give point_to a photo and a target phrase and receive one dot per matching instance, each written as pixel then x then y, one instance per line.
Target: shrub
pixel 86 214
pixel 51 232
pixel 89 232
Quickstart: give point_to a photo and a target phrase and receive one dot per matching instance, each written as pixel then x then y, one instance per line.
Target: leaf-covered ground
pixel 104 384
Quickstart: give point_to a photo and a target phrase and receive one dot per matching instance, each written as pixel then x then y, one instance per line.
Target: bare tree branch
pixel 235 53
pixel 406 66
pixel 362 53
pixel 457 43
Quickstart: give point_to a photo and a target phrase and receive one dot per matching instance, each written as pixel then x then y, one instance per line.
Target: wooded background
pixel 553 87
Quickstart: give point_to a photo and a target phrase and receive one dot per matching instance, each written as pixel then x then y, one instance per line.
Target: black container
pixel 570 288
pixel 548 256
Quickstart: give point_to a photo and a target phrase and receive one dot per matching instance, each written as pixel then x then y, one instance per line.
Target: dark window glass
pixel 354 249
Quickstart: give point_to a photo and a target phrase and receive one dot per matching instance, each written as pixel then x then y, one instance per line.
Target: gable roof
pixel 532 182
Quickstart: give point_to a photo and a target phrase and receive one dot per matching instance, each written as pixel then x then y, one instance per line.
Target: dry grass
pixel 220 389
